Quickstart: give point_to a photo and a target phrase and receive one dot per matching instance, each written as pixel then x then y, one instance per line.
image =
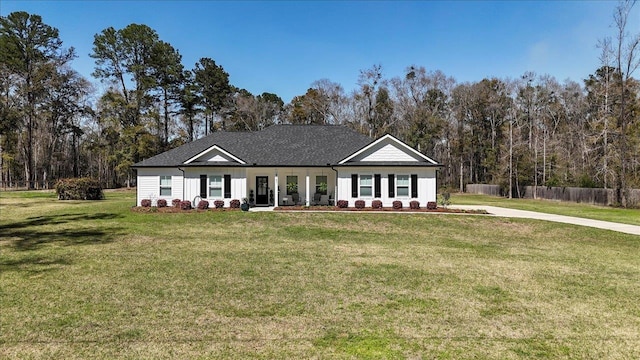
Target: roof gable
pixel 215 154
pixel 387 149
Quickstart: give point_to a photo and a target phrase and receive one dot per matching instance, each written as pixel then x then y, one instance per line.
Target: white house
pixel 287 164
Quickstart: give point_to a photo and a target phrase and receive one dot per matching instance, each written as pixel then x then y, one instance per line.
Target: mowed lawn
pixel 587 211
pixel 96 280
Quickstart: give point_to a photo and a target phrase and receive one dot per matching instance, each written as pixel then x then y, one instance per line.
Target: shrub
pixel 176 203
pixel 145 203
pixel 414 204
pixel 376 204
pixel 218 204
pixel 162 203
pixel 397 205
pixel 431 205
pixel 342 204
pixel 203 205
pixel 359 204
pixel 444 199
pixel 79 189
pixel 185 205
pixel 234 204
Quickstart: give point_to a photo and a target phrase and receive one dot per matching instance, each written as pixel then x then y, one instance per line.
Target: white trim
pixel 388 136
pixel 308 193
pixel 216 147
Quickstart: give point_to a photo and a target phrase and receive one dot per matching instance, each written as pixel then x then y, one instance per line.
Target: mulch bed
pixel 384 209
pixel 171 209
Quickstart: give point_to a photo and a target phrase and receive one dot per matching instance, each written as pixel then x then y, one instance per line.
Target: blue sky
pixel 282 47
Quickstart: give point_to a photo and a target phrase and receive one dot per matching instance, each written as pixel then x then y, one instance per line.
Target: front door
pixel 262 191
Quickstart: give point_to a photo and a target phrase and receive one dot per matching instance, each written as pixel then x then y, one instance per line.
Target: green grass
pixel 605 213
pixel 96 280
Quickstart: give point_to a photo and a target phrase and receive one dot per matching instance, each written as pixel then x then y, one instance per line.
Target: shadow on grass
pixel 33 265
pixel 30 233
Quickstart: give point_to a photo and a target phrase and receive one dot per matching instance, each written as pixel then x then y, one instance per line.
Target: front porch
pixel 291 186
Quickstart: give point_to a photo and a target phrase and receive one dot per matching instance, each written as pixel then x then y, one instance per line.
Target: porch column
pixel 307 198
pixel 275 188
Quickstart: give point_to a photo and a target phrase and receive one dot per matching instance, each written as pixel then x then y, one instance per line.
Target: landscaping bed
pixel 171 209
pixel 384 209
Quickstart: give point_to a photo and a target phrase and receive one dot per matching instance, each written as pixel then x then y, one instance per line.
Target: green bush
pixel 79 189
pixel 444 199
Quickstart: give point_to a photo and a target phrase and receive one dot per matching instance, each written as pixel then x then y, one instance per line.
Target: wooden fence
pixel 594 196
pixel 484 189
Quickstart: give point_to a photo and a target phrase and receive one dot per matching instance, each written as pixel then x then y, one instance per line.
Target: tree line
pixel 532 130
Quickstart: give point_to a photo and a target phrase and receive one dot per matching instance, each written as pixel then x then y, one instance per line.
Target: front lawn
pixel 97 280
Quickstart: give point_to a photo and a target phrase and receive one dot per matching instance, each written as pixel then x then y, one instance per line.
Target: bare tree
pixel 627 61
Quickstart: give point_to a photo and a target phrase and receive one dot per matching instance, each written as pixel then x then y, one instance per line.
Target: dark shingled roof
pixel 390 163
pixel 278 145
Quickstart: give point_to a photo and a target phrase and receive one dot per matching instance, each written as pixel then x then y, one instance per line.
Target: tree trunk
pixel 461 175
pixel 165 143
pixel 510 159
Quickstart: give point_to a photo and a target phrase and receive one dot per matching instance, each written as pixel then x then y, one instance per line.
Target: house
pixel 287 164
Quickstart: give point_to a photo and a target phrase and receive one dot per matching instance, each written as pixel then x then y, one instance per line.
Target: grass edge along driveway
pixel 586 211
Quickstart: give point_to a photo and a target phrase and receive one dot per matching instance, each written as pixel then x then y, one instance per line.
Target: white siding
pixel 243 179
pixel 192 183
pixel 218 157
pixel 385 151
pixel 213 155
pixel 149 184
pixel 388 152
pixel 426 185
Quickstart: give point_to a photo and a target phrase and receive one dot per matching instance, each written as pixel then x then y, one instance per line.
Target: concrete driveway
pixel 512 213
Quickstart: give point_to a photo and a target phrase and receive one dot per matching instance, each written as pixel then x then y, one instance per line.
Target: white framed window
pixel 215 186
pixel 292 184
pixel 165 185
pixel 366 185
pixel 402 185
pixel 321 184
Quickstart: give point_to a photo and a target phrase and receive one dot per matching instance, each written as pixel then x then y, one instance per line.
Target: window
pixel 292 184
pixel 366 185
pixel 402 187
pixel 215 186
pixel 165 185
pixel 321 184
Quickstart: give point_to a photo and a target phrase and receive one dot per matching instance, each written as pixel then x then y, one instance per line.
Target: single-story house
pixel 290 164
